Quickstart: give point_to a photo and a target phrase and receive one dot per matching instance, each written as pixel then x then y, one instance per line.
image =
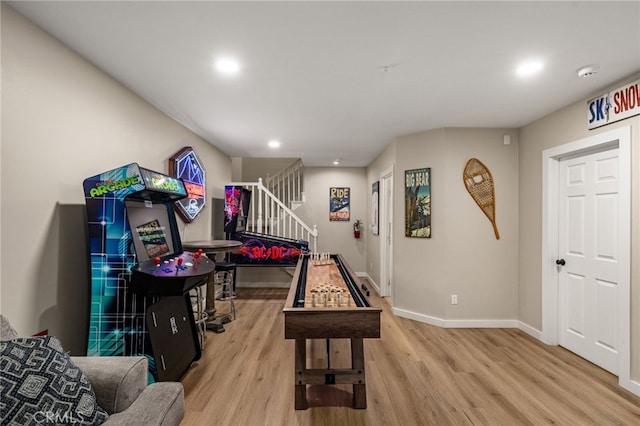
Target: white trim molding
pixel 371 281
pixel 620 138
pixel 455 323
pixel 533 332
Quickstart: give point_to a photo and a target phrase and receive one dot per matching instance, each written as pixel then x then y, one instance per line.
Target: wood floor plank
pixel 417 374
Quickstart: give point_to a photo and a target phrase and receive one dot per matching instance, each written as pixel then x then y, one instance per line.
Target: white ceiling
pixel 343 79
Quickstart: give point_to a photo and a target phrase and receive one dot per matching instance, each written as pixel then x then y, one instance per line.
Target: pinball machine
pixel 257 249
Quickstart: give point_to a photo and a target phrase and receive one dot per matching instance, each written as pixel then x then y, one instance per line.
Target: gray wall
pixel 250 169
pixel 462 256
pixel 463 249
pixel 375 172
pixel 567 125
pixel 64 120
pixel 334 237
pixel 337 236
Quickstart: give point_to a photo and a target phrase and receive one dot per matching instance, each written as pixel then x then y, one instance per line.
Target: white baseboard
pixel 628 384
pixel 456 323
pixel 481 323
pixel 418 317
pixel 371 281
pixel 535 333
pixel 631 385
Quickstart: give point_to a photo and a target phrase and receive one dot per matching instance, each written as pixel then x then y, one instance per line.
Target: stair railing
pixel 286 184
pixel 269 215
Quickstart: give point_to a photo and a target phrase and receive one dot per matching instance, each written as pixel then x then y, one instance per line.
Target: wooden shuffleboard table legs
pixel 357 363
pixel 301 367
pixel 354 376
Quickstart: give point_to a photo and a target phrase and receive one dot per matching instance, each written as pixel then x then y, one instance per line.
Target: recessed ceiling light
pixel 529 68
pixel 336 162
pixel 228 66
pixel 274 143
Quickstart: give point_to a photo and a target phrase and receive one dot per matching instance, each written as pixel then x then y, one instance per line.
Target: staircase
pixel 286 184
pixel 272 205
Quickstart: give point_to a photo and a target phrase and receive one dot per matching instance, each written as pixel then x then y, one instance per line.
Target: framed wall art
pixel 185 165
pixel 417 202
pixel 375 207
pixel 339 204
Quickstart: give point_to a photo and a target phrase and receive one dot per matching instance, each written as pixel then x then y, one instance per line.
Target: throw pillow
pixel 7 332
pixel 41 385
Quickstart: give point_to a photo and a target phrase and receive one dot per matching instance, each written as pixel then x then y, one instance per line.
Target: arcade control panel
pixel 172 276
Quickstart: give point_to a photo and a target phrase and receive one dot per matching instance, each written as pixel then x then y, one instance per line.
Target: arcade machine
pixel 140 276
pixel 257 249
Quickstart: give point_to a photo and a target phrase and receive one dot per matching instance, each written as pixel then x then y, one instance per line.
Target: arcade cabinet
pixel 140 276
pixel 257 249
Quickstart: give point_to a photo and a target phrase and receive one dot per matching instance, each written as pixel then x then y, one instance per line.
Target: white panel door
pixel 588 257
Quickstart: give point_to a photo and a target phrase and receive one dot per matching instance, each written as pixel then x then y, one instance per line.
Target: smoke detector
pixel 588 71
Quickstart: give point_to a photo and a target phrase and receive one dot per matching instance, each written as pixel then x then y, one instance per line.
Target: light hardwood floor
pixel 417 374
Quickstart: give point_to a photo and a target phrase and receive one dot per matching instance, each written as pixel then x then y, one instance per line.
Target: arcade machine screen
pixel 150 228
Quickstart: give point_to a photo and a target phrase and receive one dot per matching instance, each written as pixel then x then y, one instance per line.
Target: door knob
pixel 560 262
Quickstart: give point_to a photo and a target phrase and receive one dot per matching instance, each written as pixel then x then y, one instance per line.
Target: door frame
pixel 620 138
pixel 386 233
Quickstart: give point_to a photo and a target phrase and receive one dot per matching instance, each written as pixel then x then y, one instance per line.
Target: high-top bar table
pixel 327 301
pixel 211 248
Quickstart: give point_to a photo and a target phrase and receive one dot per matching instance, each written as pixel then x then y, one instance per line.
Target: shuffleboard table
pixel 327 301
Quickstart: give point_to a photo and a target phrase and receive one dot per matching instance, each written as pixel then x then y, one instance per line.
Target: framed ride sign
pixel 185 165
pixel 339 204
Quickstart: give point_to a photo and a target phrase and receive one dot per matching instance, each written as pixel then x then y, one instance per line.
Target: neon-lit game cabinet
pixel 257 249
pixel 140 276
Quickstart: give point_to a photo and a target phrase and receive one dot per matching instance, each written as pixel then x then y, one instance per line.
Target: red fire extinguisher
pixel 356 229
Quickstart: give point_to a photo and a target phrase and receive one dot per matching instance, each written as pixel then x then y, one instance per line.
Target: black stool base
pixel 217 324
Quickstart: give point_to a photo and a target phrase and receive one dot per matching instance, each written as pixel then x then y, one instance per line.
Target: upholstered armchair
pixel 41 384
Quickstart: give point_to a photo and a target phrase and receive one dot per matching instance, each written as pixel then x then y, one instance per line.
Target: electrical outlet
pixel 454 299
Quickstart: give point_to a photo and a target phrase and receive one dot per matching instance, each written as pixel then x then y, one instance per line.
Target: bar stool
pixel 198 306
pixel 225 273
